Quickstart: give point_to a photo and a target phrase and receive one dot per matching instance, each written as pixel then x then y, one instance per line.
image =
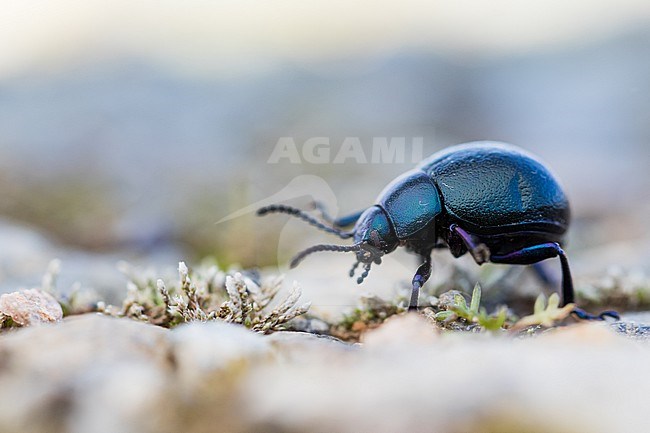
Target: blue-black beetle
pixel 493 200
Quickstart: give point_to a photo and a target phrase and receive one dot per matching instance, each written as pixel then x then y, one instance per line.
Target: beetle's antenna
pixel 325 247
pixel 280 208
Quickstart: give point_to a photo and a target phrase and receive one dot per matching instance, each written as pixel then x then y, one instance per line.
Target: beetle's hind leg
pixel 537 253
pixel 421 276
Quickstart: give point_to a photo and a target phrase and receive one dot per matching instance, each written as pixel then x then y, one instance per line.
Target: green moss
pixel 371 312
pixel 7 322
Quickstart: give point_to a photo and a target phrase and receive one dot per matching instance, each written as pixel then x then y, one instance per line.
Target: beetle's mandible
pixel 493 200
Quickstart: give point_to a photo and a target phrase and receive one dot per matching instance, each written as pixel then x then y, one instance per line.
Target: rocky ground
pixel 215 351
pixel 102 374
pixel 198 349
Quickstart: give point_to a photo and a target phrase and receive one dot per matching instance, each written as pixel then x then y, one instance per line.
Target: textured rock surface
pixel 99 374
pixel 90 373
pixel 30 307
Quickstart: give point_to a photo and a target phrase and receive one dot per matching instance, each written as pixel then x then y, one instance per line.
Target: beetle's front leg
pixel 421 276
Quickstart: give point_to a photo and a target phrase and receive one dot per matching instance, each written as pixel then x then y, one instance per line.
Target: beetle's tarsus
pixel 581 314
pixel 611 314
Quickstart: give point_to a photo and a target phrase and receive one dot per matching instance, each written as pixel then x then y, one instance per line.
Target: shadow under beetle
pixel 493 200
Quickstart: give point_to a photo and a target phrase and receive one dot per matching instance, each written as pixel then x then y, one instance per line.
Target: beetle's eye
pixel 374 237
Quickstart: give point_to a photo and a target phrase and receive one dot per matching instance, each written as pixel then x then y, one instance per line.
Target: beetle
pixel 492 200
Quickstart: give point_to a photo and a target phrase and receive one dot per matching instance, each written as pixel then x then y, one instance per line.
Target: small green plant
pixel 545 314
pixel 474 313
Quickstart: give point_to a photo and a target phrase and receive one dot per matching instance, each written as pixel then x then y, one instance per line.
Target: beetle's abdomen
pixel 493 187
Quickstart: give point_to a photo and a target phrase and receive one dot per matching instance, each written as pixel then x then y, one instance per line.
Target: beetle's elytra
pixel 493 200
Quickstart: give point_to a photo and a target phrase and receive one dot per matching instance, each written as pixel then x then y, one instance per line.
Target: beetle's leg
pixel 537 253
pixel 341 222
pixel 544 276
pixel 421 276
pixel 479 251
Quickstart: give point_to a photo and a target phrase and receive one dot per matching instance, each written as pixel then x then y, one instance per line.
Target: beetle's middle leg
pixel 479 251
pixel 421 276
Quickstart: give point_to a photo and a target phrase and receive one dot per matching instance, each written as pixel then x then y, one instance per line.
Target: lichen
pixel 208 294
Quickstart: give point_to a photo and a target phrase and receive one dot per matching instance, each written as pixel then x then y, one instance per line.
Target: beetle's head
pixel 375 234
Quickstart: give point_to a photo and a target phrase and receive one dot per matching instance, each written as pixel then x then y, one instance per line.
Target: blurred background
pixel 128 129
